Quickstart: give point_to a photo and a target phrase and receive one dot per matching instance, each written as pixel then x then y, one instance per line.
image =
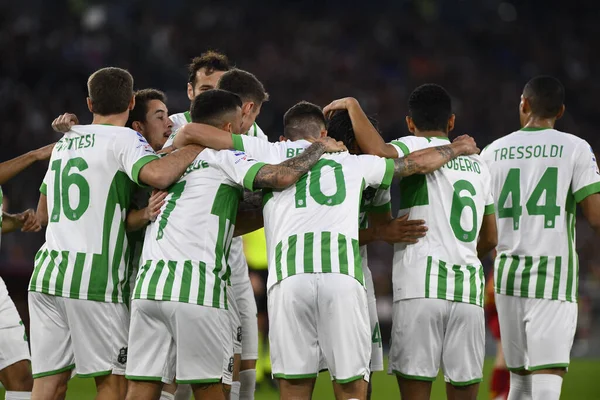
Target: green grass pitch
pixel 581 383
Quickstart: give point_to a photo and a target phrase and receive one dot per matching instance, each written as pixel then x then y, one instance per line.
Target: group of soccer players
pixel 142 282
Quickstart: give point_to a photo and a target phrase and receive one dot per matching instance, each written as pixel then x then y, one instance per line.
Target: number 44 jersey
pixel 452 201
pixel 88 185
pixel 538 177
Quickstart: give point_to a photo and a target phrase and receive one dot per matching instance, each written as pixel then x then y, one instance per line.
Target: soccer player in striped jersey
pixel 79 291
pixel 539 175
pixel 440 278
pixel 15 370
pixel 317 300
pixel 179 309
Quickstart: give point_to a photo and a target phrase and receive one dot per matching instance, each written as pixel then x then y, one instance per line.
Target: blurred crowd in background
pixel 481 51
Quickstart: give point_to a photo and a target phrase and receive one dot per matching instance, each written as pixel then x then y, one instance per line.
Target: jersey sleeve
pixel 272 153
pixel 382 202
pixel 586 176
pixel 378 172
pixel 239 167
pixel 133 152
pixel 44 186
pixel 406 145
pixel 490 208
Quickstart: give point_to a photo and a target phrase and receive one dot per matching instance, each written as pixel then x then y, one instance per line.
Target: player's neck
pixel 539 123
pixel 115 119
pixel 431 134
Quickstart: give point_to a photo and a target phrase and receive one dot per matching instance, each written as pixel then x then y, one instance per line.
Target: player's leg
pixel 418 327
pixel 202 366
pixel 463 351
pixel 293 335
pixel 511 316
pixel 15 368
pixel 248 315
pixel 344 333
pixel 151 351
pixel 377 345
pixel 236 332
pixel 550 332
pixel 52 357
pixel 258 280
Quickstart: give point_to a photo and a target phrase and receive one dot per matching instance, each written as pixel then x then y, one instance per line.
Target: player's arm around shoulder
pixel 203 135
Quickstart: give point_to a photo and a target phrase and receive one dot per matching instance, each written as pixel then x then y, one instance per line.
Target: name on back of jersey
pixel 464 164
pixel 195 166
pixel 527 152
pixel 75 143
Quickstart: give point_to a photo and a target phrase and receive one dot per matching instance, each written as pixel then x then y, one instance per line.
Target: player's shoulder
pixel 409 143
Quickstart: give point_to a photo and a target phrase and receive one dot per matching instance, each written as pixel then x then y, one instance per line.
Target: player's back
pixel 313 225
pixel 538 176
pixel 88 186
pixel 452 201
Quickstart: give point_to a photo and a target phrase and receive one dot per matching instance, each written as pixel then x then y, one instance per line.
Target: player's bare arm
pixel 41 213
pixel 138 219
pixel 591 209
pixel 488 235
pixel 163 172
pixel 287 173
pixel 203 135
pixel 10 168
pixel 249 217
pixel 382 227
pixel 24 221
pixel 428 160
pixel 367 137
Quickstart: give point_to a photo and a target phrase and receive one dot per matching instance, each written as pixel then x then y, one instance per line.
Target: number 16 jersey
pixel 538 177
pixel 452 201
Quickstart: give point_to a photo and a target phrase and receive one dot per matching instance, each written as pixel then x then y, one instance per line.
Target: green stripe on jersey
pixel 343 254
pixel 489 209
pixel 402 147
pixel 309 239
pixel 326 251
pixel 540 285
pixel 291 255
pixel 238 142
pixel 442 279
pixel 358 271
pixel 458 283
pixel 251 174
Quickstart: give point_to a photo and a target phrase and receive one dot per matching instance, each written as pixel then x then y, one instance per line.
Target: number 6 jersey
pixel 452 201
pixel 538 177
pixel 88 185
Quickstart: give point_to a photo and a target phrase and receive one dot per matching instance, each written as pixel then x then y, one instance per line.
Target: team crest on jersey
pixel 122 358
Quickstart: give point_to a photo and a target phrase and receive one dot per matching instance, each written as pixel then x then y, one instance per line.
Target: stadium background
pixel 482 51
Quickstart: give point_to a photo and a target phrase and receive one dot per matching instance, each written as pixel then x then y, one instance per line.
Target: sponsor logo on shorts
pixel 122 358
pixel 230 366
pixel 239 334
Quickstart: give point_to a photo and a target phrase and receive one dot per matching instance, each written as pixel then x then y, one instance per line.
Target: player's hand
pixel 466 145
pixel 340 104
pixel 166 150
pixel 180 140
pixel 28 221
pixel 64 122
pixel 402 230
pixel 44 153
pixel 331 145
pixel 157 200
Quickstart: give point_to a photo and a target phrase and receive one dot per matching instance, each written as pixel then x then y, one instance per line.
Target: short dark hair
pixel 213 106
pixel 244 84
pixel 302 120
pixel 430 107
pixel 546 96
pixel 340 128
pixel 142 97
pixel 211 60
pixel 110 90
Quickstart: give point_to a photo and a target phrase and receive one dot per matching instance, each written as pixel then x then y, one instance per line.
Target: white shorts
pixel 319 314
pixel 430 332
pixel 90 336
pixel 536 333
pixel 377 348
pixel 189 341
pixel 13 340
pixel 244 297
pixel 235 321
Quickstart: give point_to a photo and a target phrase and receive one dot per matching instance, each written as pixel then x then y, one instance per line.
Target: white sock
pixel 546 386
pixel 18 395
pixel 166 396
pixel 235 391
pixel 248 384
pixel 520 387
pixel 183 392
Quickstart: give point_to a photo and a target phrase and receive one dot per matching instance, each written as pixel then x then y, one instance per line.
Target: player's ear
pixel 561 112
pixel 228 127
pixel 89 104
pixel 137 126
pixel 131 103
pixel 410 124
pixel 451 123
pixel 190 91
pixel 524 105
pixel 323 133
pixel 247 108
pixel 282 138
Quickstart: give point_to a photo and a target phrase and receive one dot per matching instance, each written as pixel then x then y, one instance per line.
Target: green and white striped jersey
pixel 373 201
pixel 312 227
pixel 183 118
pixel 538 177
pixel 452 201
pixel 186 249
pixel 88 186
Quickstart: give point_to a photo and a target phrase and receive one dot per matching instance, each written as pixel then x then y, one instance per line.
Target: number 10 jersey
pixel 452 201
pixel 538 177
